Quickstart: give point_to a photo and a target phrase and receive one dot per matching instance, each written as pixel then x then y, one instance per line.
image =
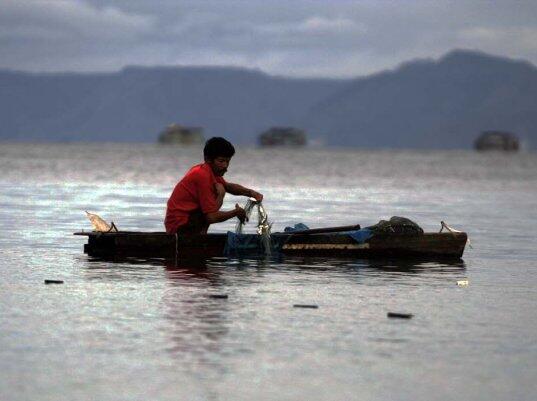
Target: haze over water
pixel 150 331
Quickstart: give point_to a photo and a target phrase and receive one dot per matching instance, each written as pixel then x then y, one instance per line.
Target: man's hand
pixel 256 195
pixel 240 213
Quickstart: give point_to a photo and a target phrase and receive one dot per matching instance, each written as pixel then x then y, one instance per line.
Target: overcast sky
pixel 334 38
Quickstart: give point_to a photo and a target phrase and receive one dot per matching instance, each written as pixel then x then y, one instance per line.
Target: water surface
pixel 149 330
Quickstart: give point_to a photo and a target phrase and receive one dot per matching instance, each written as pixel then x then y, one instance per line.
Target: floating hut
pixel 497 140
pixel 283 136
pixel 177 134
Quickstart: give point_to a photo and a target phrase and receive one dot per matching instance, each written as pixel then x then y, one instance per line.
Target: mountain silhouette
pixel 442 103
pixel 432 104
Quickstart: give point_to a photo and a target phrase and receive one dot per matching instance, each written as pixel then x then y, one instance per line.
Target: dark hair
pixel 218 147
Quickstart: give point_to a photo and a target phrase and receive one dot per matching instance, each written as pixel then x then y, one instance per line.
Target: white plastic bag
pixel 99 224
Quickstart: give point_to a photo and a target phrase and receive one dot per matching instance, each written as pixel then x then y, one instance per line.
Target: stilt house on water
pixel 283 136
pixel 177 134
pixel 497 140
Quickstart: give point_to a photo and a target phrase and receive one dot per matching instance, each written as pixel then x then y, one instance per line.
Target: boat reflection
pixel 408 265
pixel 210 269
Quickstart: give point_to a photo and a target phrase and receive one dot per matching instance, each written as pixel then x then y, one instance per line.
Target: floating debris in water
pixel 397 315
pixel 53 281
pixel 462 283
pixel 305 306
pixel 218 296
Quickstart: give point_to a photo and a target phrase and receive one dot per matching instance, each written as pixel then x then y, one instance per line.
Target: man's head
pixel 217 154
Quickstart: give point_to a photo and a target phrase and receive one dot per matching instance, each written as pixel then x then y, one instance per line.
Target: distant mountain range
pixel 421 104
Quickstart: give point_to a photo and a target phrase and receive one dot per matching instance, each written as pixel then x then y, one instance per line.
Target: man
pixel 196 200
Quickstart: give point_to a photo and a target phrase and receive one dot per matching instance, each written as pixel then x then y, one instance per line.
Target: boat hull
pixel 162 245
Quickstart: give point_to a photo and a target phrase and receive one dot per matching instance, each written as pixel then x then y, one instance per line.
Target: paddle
pixel 324 230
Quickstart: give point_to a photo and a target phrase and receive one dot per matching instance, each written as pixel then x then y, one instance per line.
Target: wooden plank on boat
pixel 207 245
pixel 428 244
pixel 153 244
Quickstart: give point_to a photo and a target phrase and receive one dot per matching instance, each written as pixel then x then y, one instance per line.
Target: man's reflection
pixel 198 322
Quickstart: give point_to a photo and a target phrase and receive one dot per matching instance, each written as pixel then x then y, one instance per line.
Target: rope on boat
pixel 176 247
pixel 263 226
pixel 453 231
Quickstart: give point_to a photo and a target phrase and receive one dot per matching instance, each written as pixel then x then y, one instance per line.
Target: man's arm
pixel 219 216
pixel 236 189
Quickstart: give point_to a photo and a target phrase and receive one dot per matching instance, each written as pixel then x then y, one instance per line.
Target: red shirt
pixel 196 191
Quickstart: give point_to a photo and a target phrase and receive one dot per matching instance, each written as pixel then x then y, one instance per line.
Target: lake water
pixel 151 331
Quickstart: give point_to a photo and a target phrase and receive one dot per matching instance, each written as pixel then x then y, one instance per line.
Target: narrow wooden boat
pixel 331 244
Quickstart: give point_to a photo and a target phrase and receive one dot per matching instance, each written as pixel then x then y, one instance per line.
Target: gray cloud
pixel 300 38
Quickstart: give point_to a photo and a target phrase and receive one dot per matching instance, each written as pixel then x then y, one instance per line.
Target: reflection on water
pixel 197 322
pixel 210 268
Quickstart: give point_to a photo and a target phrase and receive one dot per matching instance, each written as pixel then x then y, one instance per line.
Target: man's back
pixel 194 193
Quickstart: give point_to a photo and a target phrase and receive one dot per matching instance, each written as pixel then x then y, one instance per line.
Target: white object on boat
pixel 452 230
pixel 99 224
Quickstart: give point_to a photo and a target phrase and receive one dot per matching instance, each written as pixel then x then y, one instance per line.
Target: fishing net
pixel 396 225
pixel 250 203
pixel 263 226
